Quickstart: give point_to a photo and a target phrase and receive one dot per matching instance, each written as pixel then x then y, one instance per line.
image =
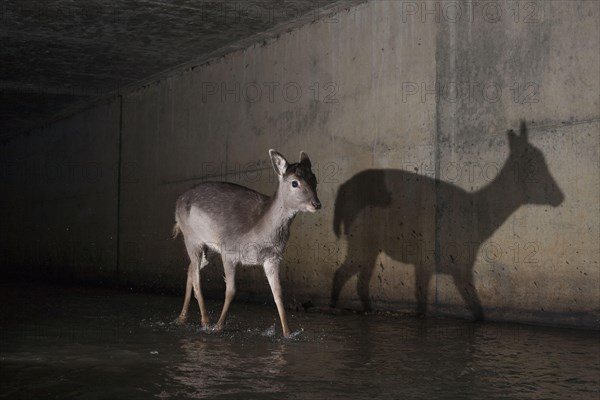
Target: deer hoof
pixel 218 327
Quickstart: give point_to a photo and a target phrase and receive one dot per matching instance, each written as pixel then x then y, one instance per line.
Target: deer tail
pixel 176 230
pixel 337 224
pixel 338 218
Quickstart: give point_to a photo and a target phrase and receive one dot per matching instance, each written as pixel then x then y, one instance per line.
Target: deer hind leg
pixel 195 277
pixel 423 274
pixel 272 272
pixel 188 294
pixel 229 268
pixel 193 255
pixel 366 262
pixel 363 283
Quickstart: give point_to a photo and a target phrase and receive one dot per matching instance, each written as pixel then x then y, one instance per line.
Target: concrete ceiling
pixel 57 54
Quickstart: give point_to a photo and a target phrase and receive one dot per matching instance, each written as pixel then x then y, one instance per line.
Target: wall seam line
pixel 119 177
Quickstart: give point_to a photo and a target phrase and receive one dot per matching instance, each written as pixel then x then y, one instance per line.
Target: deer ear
pixel 304 159
pixel 280 164
pixel 523 132
pixel 512 138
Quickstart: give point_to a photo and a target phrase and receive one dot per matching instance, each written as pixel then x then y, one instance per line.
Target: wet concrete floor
pixel 82 343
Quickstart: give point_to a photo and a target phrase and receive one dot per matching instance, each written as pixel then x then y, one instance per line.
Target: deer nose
pixel 316 204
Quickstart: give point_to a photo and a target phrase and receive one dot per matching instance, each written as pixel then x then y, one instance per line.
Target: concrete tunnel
pixel 456 149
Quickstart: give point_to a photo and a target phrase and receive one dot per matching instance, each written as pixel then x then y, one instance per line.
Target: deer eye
pixel 294 183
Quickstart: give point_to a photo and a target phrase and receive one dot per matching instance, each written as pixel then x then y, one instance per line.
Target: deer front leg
pixel 195 274
pixel 272 272
pixel 229 268
pixel 466 287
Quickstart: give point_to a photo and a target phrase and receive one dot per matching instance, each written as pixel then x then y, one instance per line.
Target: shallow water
pixel 59 342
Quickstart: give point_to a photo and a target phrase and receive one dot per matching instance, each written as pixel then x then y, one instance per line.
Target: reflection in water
pixel 211 368
pixel 72 343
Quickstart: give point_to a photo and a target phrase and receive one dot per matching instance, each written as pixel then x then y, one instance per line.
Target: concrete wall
pixel 452 218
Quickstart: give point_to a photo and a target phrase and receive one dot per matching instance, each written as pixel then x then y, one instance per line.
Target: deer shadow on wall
pixel 433 225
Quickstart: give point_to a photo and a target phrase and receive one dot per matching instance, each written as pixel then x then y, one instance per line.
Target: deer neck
pixel 499 199
pixel 276 220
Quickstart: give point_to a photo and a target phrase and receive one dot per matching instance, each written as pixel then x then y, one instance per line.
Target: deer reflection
pixel 218 367
pixel 435 226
